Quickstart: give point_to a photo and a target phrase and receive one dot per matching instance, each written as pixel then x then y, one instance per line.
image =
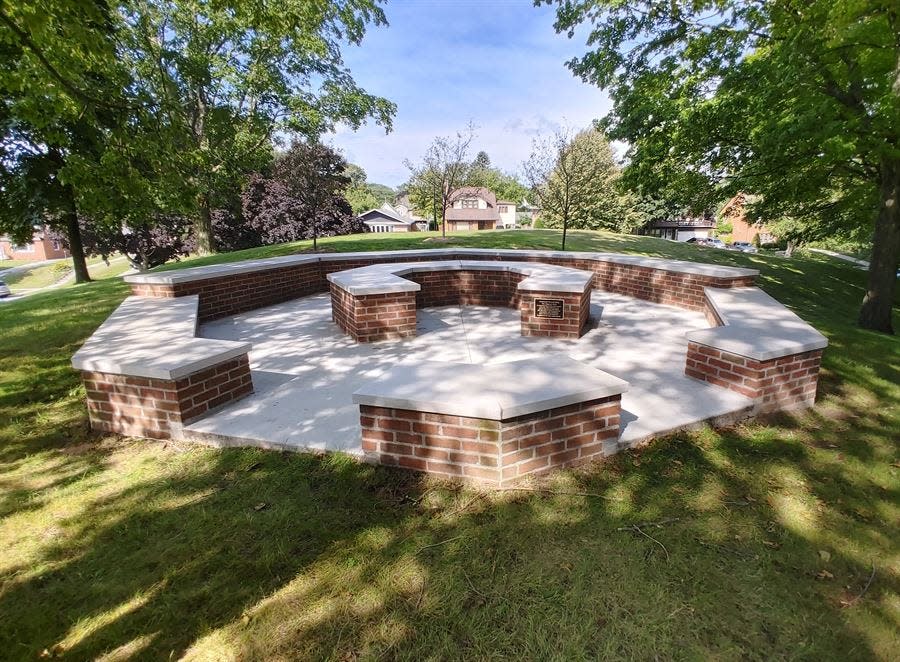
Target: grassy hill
pixel 779 536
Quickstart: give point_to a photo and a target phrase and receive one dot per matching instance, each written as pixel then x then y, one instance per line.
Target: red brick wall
pixel 238 293
pixel 372 317
pixel 229 295
pixel 576 310
pixel 157 408
pixel 473 288
pixel 784 383
pixel 489 451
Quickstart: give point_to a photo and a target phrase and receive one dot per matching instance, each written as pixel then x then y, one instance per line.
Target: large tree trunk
pixel 73 232
pixel 203 226
pixel 878 302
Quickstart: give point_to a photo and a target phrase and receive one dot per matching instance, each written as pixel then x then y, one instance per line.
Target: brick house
pixel 477 208
pixel 734 212
pixel 42 247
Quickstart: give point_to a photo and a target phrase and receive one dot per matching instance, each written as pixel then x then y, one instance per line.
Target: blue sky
pixel 498 63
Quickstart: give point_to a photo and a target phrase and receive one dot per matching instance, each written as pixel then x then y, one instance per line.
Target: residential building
pixel 41 247
pixel 682 228
pixel 388 218
pixel 477 208
pixel 527 214
pixel 735 213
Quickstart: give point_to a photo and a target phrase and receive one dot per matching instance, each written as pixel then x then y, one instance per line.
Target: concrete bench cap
pixel 249 266
pixel 387 278
pixel 154 338
pixel 498 391
pixel 756 326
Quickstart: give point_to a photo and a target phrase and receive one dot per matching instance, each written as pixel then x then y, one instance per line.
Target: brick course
pixel 157 408
pixel 373 317
pixel 490 451
pixel 787 382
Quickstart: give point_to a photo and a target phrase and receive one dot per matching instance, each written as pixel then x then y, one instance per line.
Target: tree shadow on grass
pixel 256 555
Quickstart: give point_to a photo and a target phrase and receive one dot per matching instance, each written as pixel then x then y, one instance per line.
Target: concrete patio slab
pixel 305 370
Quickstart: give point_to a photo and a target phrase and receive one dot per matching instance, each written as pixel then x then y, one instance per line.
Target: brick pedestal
pixel 158 408
pixel 372 317
pixel 787 382
pixel 576 310
pixel 495 452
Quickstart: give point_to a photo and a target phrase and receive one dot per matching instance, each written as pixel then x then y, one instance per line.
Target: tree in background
pixel 145 246
pixel 575 178
pixel 301 199
pixel 362 194
pixel 229 76
pixel 60 101
pixel 503 185
pixel 796 102
pixel 444 168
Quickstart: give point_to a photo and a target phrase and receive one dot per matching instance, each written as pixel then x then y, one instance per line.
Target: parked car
pixel 744 247
pixel 699 241
pixel 4 290
pixel 716 243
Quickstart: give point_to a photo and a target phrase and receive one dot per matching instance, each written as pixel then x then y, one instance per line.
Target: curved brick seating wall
pixel 230 289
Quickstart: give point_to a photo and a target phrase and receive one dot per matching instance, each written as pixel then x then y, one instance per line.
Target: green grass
pixel 42 276
pixel 8 264
pixel 116 548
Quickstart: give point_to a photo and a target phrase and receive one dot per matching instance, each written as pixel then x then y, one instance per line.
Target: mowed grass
pixel 779 537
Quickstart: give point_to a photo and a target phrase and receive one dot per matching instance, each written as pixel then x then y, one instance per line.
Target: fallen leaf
pixel 253 466
pixel 772 544
pixel 824 574
pixel 260 506
pixel 824 555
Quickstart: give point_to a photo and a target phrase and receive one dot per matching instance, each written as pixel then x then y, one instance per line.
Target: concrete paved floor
pixel 305 369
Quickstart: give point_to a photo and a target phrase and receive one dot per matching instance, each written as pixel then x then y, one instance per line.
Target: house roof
pixel 388 210
pixel 475 192
pixel 683 223
pixel 473 214
pixel 506 202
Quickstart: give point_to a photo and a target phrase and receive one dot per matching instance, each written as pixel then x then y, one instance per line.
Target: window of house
pixel 56 245
pixel 24 248
pixel 502 209
pixel 469 203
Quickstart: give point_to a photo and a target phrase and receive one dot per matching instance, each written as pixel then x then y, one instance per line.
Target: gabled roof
pixel 388 210
pixel 475 192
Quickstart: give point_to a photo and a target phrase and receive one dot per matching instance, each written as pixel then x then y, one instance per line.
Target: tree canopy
pixel 576 179
pixel 796 102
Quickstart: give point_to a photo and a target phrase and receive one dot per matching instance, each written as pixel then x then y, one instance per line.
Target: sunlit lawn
pixel 117 548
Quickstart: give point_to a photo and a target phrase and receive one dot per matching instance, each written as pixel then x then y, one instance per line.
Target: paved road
pixel 26 267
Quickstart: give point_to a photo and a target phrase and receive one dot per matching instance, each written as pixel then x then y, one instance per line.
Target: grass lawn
pixel 49 274
pixel 119 548
pixel 8 264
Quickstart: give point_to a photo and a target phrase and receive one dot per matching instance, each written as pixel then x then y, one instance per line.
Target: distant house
pixel 42 247
pixel 681 229
pixel 735 213
pixel 477 208
pixel 388 218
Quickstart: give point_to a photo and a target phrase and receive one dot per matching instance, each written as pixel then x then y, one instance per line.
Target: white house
pixel 387 218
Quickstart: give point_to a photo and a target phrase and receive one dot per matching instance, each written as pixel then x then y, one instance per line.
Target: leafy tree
pixel 363 195
pixel 56 90
pixel 229 76
pixel 798 102
pixel 504 186
pixel 482 161
pixel 146 245
pixel 575 178
pixel 301 200
pixel 444 168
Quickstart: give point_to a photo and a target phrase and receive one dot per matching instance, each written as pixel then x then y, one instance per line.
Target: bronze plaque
pixel 549 308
